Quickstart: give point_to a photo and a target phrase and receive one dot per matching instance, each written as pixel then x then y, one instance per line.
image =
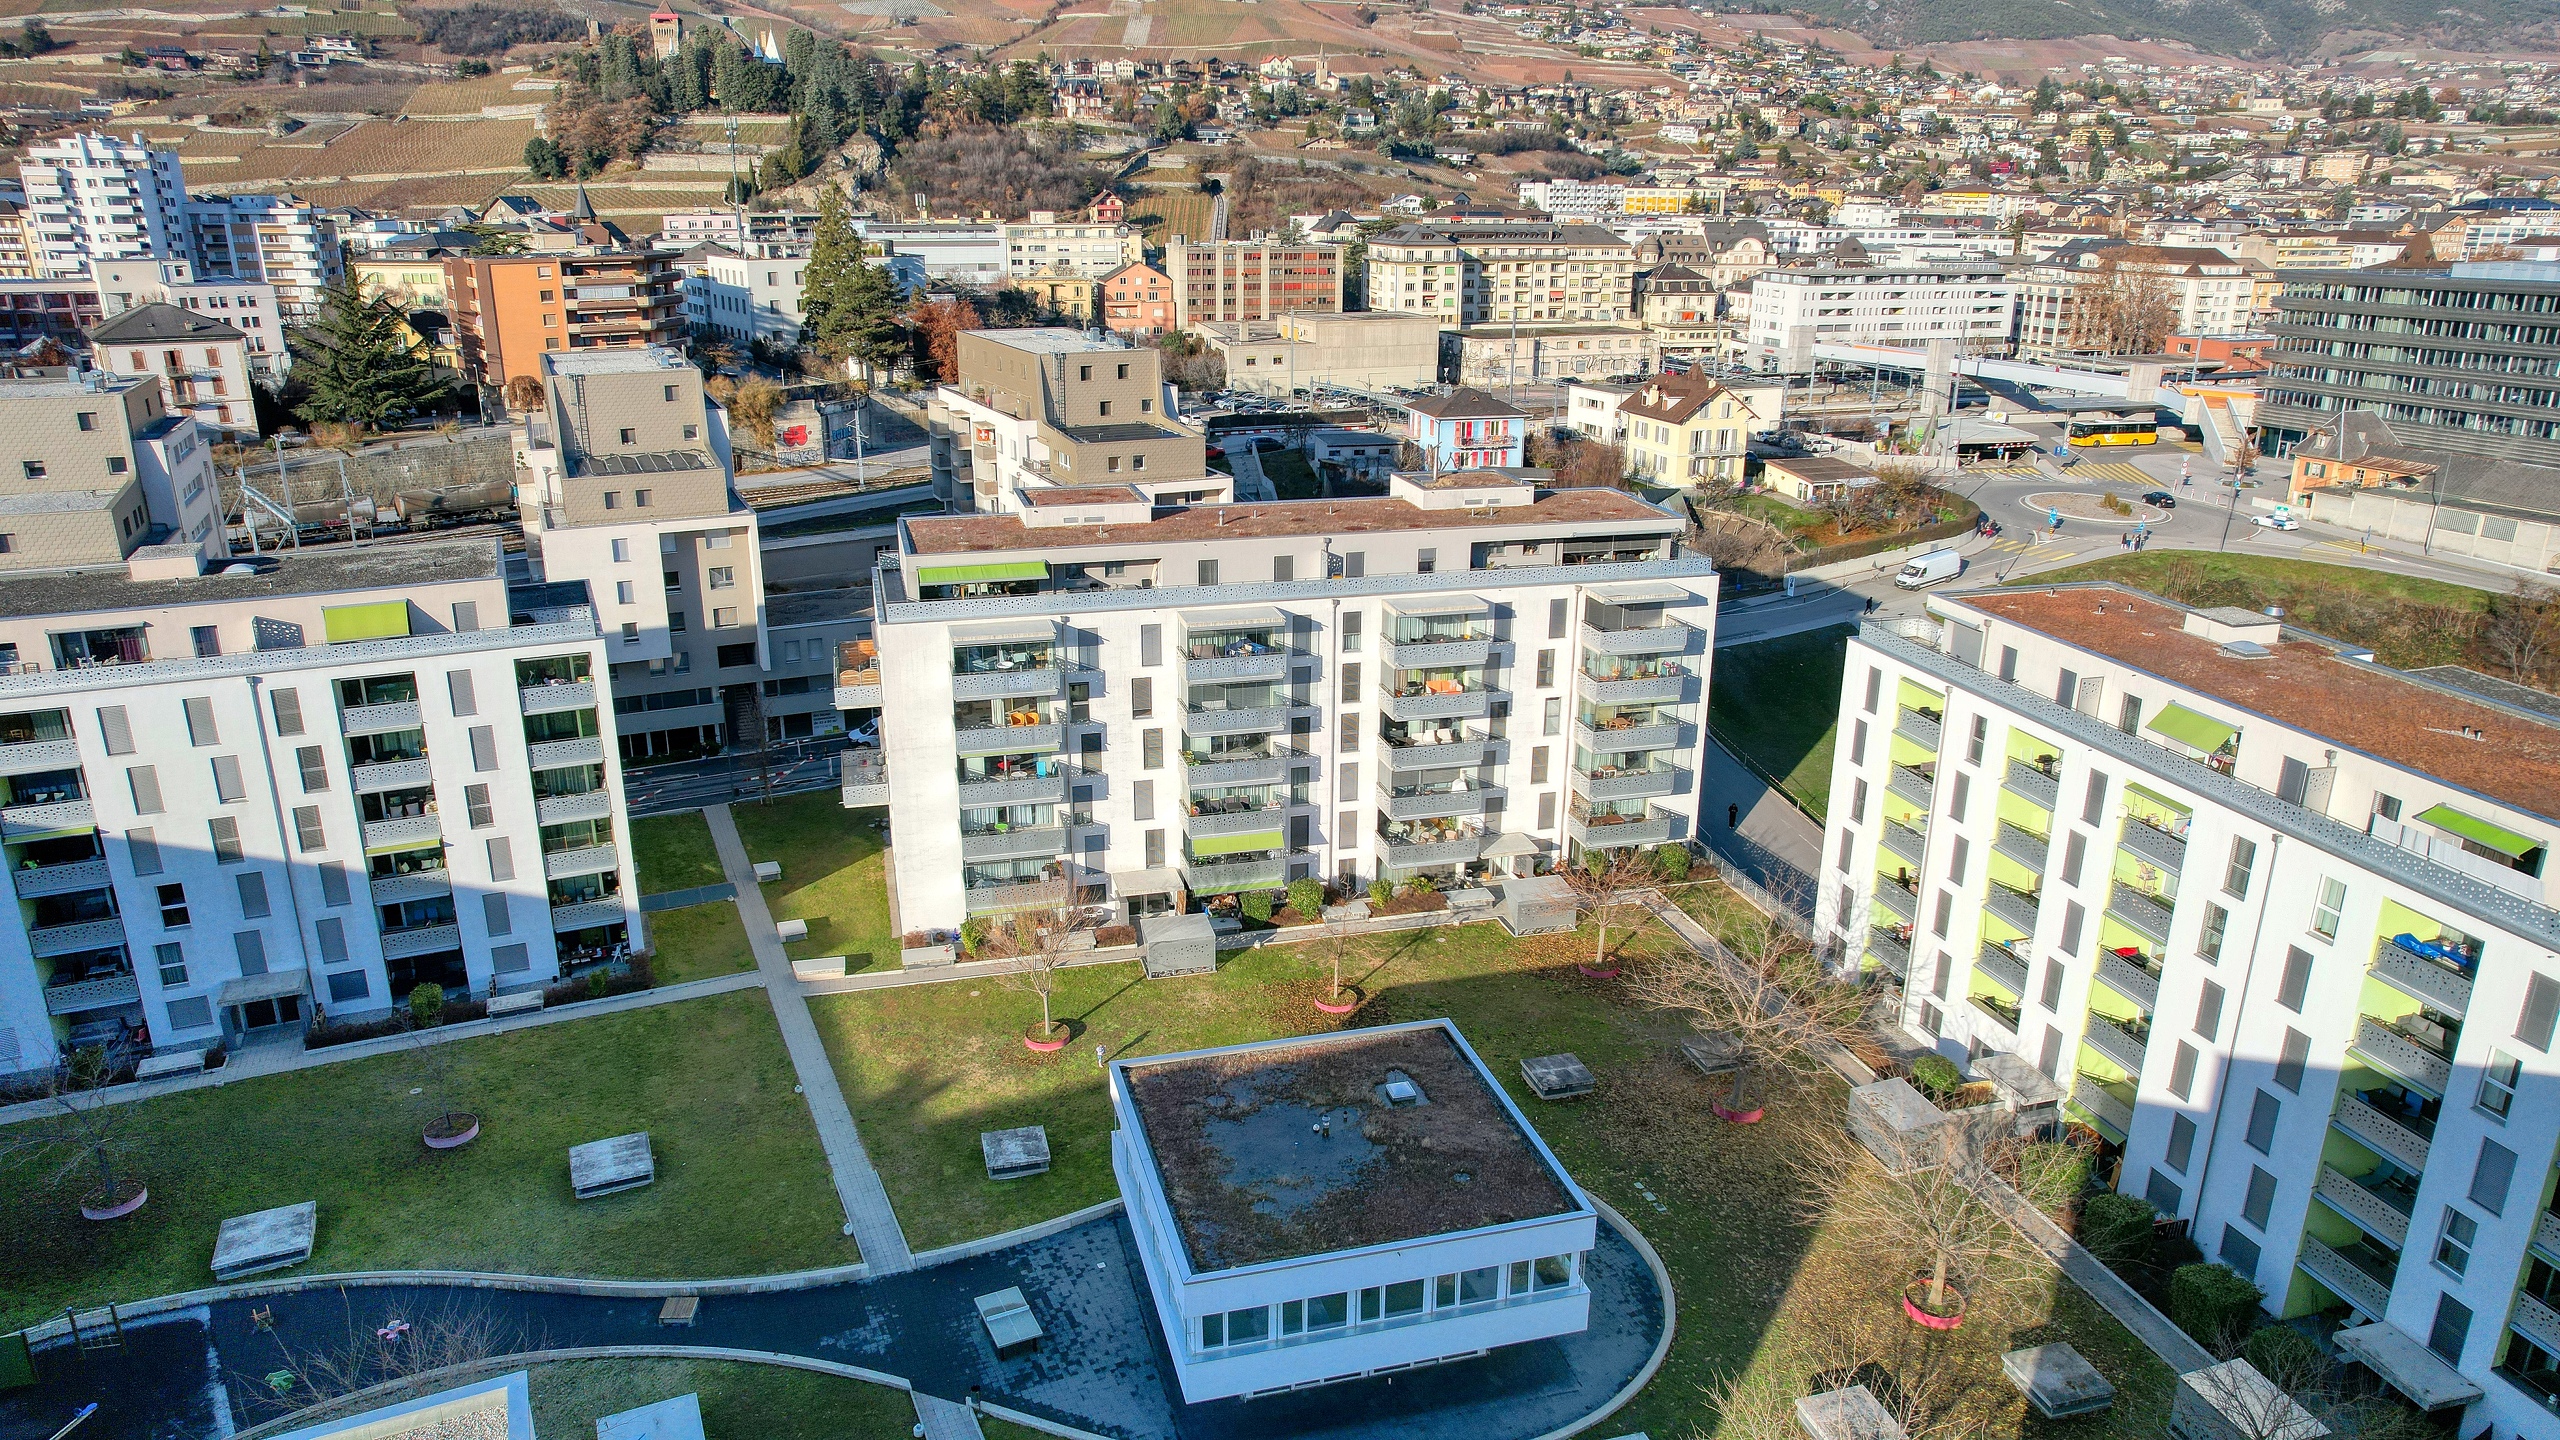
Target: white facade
pixel 746 298
pixel 1046 245
pixel 2188 911
pixel 1794 310
pixel 278 239
pixel 968 252
pixel 249 307
pixel 93 197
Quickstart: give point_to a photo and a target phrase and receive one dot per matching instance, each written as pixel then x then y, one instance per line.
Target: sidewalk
pixel 868 1218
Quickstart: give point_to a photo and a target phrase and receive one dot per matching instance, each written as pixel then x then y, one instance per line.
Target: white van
pixel 1929 569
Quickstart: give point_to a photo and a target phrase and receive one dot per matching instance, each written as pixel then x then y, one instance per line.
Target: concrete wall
pixel 2413 517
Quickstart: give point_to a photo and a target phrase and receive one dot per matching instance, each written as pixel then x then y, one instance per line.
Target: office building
pixel 1244 280
pixel 90 196
pixel 2276 918
pixel 236 802
pixel 1971 304
pixel 1473 271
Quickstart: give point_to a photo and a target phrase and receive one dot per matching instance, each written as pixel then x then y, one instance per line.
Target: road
pixel 714 780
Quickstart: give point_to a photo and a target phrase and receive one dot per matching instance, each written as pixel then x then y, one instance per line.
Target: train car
pixel 493 500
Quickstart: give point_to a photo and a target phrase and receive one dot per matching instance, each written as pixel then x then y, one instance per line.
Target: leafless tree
pixel 1766 993
pixel 84 1132
pixel 1970 1257
pixel 2298 1395
pixel 1608 883
pixel 431 1067
pixel 1043 936
pixel 380 1343
pixel 2520 627
pixel 2120 310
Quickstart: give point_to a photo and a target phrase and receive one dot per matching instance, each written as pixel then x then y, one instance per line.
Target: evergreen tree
pixel 850 308
pixel 544 159
pixel 362 364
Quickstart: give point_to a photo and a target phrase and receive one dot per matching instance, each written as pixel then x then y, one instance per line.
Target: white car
pixel 2275 522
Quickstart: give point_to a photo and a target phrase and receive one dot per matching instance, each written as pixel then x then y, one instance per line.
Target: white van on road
pixel 1929 569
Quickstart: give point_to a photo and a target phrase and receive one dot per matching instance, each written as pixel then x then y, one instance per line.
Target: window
pixel 484 748
pixel 1142 697
pixel 2451 1330
pixel 313 761
pixel 2209 936
pixel 1426 562
pixel 2264 1112
pixel 1858 743
pixel 2075 849
pixel 1946 905
pixel 253 894
pixel 2009 663
pixel 200 726
pixel 1546 669
pixel 2333 902
pixel 2129 714
pixel 1142 800
pixel 495 917
pixel 2182 1143
pixel 1235 1327
pixel 2292 1059
pixel 2073 918
pixel 1875 686
pixel 1551 721
pixel 207 639
pixel 1208 572
pixel 2163 1193
pixel 2239 1252
pixel 739 656
pixel 1348 733
pixel 2498 1083
pixel 333 883
pixel 173 907
pixel 629 435
pixel 1151 749
pixel 172 959
pixel 475 804
pixel 466 616
pixel 308 832
pixel 1538 764
pixel 2541 1007
pixel 144 780
pixel 1558 614
pixel 723 577
pixel 2296 985
pixel 1858 801
pixel 2492 1175
pixel 114 732
pixel 2182 1070
pixel 2455 1239
pixel 1980 733
pixel 1956 798
pixel 1284 568
pixel 2235 876
pixel 2094 804
pixel 1350 632
pixel 2261 1201
pixel 143 850
pixel 2051 998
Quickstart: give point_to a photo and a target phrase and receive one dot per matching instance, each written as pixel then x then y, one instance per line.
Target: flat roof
pixel 618 360
pixel 1290 1148
pixel 1270 519
pixel 1051 340
pixel 2360 704
pixel 1083 495
pixel 314 571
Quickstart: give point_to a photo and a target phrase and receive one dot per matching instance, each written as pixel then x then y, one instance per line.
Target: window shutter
pixel 493 910
pixel 333 938
pixel 1142 696
pixel 466 617
pixel 2290 1065
pixel 2297 979
pixel 457 683
pixel 252 948
pixel 510 959
pixel 475 802
pixel 314 764
pixel 1150 644
pixel 253 894
pixel 145 781
pixel 2541 1007
pixel 349 986
pixel 2261 1201
pixel 226 839
pixel 2263 1114
pixel 1142 800
pixel 502 858
pixel 144 850
pixel 308 833
pixel 484 748
pixel 2182 1143
pixel 2492 1176
pixel 2209 1011
pixel 333 883
pixel 288 707
pixel 200 727
pixel 226 780
pixel 114 731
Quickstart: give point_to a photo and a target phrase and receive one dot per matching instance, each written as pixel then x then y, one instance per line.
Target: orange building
pixel 508 310
pixel 1137 300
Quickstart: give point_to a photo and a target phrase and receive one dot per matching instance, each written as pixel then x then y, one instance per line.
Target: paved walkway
pixel 944 1419
pixel 868 1218
pixel 1777 844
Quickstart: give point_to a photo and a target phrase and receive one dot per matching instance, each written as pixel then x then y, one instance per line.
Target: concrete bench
pixel 608 1167
pixel 1471 898
pixel 178 1062
pixel 822 967
pixel 267 1240
pixel 792 929
pixel 768 870
pixel 514 1003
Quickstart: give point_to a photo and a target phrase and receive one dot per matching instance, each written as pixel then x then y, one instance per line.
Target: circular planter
pixel 463 1135
pixel 1589 973
pixel 115 1209
pixel 1920 1315
pixel 1349 1002
pixel 1737 1117
pixel 1032 1042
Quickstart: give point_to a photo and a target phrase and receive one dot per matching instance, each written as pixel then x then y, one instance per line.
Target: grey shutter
pixel 475 803
pixel 1142 800
pixel 288 707
pixel 2264 1112
pixel 145 780
pixel 2261 1201
pixel 2297 979
pixel 2182 1070
pixel 2182 1143
pixel 332 932
pixel 493 911
pixel 226 838
pixel 2451 1330
pixel 200 727
pixel 144 850
pixel 502 858
pixel 2296 1056
pixel 466 616
pixel 457 684
pixel 348 986
pixel 2209 1011
pixel 2492 1176
pixel 510 959
pixel 251 946
pixel 2073 919
pixel 314 764
pixel 253 894
pixel 2541 1008
pixel 333 884
pixel 1150 644
pixel 226 780
pixel 1142 696
pixel 114 731
pixel 484 748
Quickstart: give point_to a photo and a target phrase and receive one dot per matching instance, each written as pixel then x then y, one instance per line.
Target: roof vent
pixel 1399 1092
pixel 2247 650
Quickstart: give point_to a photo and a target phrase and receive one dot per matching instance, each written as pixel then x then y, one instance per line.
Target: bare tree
pixel 1608 883
pixel 1766 993
pixel 1043 935
pixel 2120 310
pixel 2520 626
pixel 384 1344
pixel 84 1133
pixel 1970 1257
pixel 1934 1391
pixel 2293 1392
pixel 431 1066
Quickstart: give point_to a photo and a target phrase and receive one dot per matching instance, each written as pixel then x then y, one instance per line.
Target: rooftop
pixel 157 323
pixel 1271 519
pixel 1465 404
pixel 315 571
pixel 623 360
pixel 1294 1147
pixel 1052 340
pixel 1082 495
pixel 2311 686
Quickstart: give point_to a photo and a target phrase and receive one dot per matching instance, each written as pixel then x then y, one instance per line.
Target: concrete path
pixel 1778 844
pixel 945 1419
pixel 868 1218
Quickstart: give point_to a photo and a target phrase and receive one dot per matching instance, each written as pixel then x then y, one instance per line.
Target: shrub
pixel 2211 1303
pixel 2052 1173
pixel 1306 896
pixel 1671 863
pixel 1110 936
pixel 426 1004
pixel 2284 1354
pixel 2117 1229
pixel 344 1032
pixel 973 934
pixel 1380 892
pixel 1256 905
pixel 1937 1077
pixel 1417 885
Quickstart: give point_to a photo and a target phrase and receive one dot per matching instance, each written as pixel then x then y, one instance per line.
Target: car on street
pixel 2161 500
pixel 2275 522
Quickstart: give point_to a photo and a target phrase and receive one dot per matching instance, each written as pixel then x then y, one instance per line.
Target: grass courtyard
pixel 926 1068
pixel 698 942
pixel 765 1402
pixel 674 852
pixel 1776 703
pixel 834 874
pixel 708 1079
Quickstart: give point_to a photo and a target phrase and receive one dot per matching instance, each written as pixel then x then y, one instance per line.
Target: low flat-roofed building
pixel 1366 350
pixel 1333 1206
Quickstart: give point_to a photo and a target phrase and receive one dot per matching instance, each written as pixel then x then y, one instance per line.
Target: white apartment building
pixel 93 197
pixel 248 306
pixel 1971 304
pixel 1153 705
pixel 279 239
pixel 2279 920
pixel 1474 271
pixel 2197 292
pixel 1090 248
pixel 968 252
pixel 747 296
pixel 238 801
pixel 203 361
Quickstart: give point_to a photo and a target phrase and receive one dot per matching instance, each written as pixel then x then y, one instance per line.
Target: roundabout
pixel 2090 508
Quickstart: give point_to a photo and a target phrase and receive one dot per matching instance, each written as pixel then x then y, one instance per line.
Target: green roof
pixel 2471 827
pixel 2191 729
pixel 380 620
pixel 982 572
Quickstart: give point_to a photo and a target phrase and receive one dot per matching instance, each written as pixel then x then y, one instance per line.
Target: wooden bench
pixel 176 1062
pixel 514 1003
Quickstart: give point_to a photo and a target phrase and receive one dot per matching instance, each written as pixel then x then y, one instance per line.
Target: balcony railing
pixel 2140 913
pixel 2001 1019
pixel 2383 1134
pixel 1919 729
pixel 1271 664
pixel 1434 804
pixel 2091 1094
pixel 2402 1056
pixel 1610 834
pixel 1247 821
pixel 1891 950
pixel 1209 772
pixel 1629 784
pixel 2018 907
pixel 390 775
pixel 2537 1322
pixel 74 996
pixel 2111 1039
pixel 1465 753
pixel 550 699
pixel 1012 895
pixel 1434 654
pixel 1601 739
pixel 420 940
pixel 2546 1235
pixel 2031 784
pixel 1671 637
pixel 586 914
pixel 28 756
pixel 1260 719
pixel 1466 704
pixel 1008 739
pixel 1026 680
pixel 2131 979
pixel 1895 900
pixel 857 675
pixel 1672 684
pixel 1996 964
pixel 978 793
pixel 1224 877
pixel 578 750
pixel 562 809
pixel 400 829
pixel 64 879
pixel 76 937
pixel 1904 841
pixel 2372 1211
pixel 1911 785
pixel 381 719
pixel 1462 844
pixel 586 860
pixel 2156 845
pixel 416 885
pixel 2420 978
pixel 866 778
pixel 1020 843
pixel 2022 845
pixel 2345 1279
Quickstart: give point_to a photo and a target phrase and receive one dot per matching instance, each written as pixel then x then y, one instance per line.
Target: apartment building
pixel 280 240
pixel 966 252
pixel 103 467
pixel 1692 429
pixel 17 251
pixel 1257 279
pixel 1467 430
pixel 203 362
pixel 1362 350
pixel 250 307
pixel 511 310
pixel 744 297
pixel 237 801
pixel 1473 271
pixel 1089 248
pixel 1971 304
pixel 2276 917
pixel 2455 357
pixel 1502 354
pixel 1154 705
pixel 1053 407
pixel 91 197
pixel 2081 298
pixel 1137 301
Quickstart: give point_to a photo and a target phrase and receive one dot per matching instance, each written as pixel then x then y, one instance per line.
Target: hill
pixel 2225 27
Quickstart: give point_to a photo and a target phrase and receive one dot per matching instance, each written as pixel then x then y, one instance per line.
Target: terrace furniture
pixel 1010 1323
pixel 609 1167
pixel 267 1240
pixel 680 1310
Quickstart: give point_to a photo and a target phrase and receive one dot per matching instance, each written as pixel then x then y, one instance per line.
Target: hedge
pixel 2117 1229
pixel 2211 1303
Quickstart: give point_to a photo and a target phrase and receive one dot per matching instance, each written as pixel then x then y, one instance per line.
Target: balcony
pixel 78 936
pixel 2131 979
pixel 425 940
pixel 28 756
pixel 2031 785
pixel 2388 1049
pixel 1043 739
pixel 400 831
pixel 1447 704
pixel 2368 1293
pixel 2154 844
pixel 1671 637
pixel 1260 720
pixel 1898 900
pixel 2537 1322
pixel 577 750
pixel 1417 803
pixel 2546 1235
pixel 1013 895
pixel 1450 845
pixel 1425 751
pixel 586 914
pixel 1605 740
pixel 1438 653
pixel 1919 727
pixel 1912 785
pixel 2422 978
pixel 2022 845
pixel 1022 681
pixel 2091 1094
pixel 586 860
pixel 381 719
pixel 1223 819
pixel 1904 841
pixel 55 817
pixel 865 777
pixel 1018 789
pixel 2140 913
pixel 2383 1134
pixel 104 992
pixel 1225 877
pixel 65 879
pixel 2383 1214
pixel 2018 907
pixel 416 885
pixel 1668 682
pixel 1209 772
pixel 1631 783
pixel 1995 1021
pixel 551 699
pixel 857 675
pixel 1609 832
pixel 1890 951
pixel 561 809
pixel 2113 1039
pixel 390 775
pixel 1998 965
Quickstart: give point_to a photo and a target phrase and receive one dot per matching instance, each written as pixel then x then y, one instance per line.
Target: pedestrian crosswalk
pixel 2050 550
pixel 2114 472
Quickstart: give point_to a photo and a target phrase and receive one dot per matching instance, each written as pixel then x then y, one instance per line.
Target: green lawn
pixel 1292 478
pixel 740 1401
pixel 834 874
pixel 1794 521
pixel 699 942
pixel 927 1068
pixel 2408 621
pixel 673 852
pixel 1776 703
pixel 708 1079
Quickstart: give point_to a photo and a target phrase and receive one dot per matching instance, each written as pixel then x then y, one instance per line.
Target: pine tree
pixel 850 308
pixel 362 364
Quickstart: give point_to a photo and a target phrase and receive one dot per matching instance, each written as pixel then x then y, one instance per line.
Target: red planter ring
pixel 1927 1321
pixel 1609 974
pixel 118 1210
pixel 1043 1047
pixel 1338 1008
pixel 1737 1117
pixel 469 1133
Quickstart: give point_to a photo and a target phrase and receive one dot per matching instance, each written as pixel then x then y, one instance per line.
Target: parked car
pixel 2275 522
pixel 2161 500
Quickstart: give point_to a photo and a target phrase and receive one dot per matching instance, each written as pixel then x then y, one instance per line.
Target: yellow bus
pixel 2115 432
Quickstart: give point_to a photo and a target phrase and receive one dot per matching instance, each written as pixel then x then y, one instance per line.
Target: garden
pixel 1767 535
pixel 697 942
pixel 835 874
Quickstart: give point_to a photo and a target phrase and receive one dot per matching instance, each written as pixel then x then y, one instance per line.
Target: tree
pixel 491 240
pixel 1764 990
pixel 937 324
pixel 1043 935
pixel 2520 627
pixel 2119 310
pixel 1608 881
pixel 752 404
pixel 363 364
pixel 1970 1258
pixel 544 159
pixel 84 1131
pixel 849 306
pixel 524 393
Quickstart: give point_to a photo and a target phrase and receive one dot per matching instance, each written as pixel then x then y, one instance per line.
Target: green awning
pixel 1235 844
pixel 381 620
pixel 981 573
pixel 2471 827
pixel 2195 731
